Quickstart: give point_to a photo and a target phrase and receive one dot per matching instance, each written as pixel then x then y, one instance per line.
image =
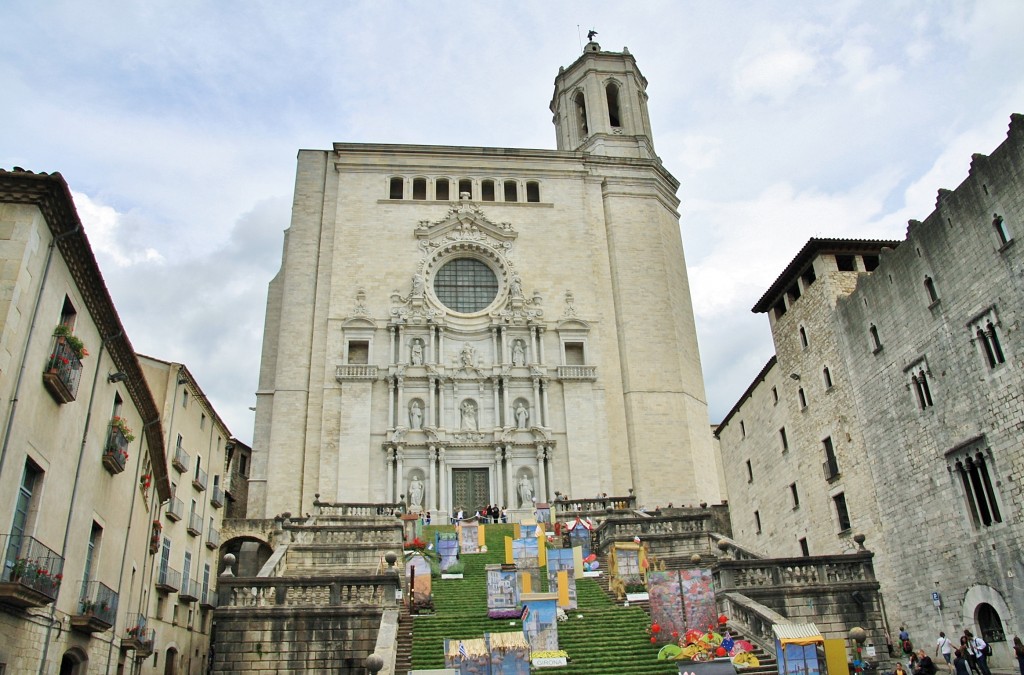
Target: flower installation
pixel 74 343
pixel 699 646
pixel 121 425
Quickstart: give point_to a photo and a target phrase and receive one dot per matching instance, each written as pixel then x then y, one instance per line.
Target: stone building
pixel 82 461
pixel 459 326
pixel 180 583
pixel 236 485
pixel 917 420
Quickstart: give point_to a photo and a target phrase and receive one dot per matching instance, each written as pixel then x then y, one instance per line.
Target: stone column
pixel 429 412
pixel 499 483
pixel 536 399
pixel 391 332
pixel 496 383
pixel 440 404
pixel 432 358
pixel 432 481
pixel 505 403
pixel 545 383
pixel 534 346
pixel 399 456
pixel 403 422
pixel 494 345
pixel 390 459
pixel 542 488
pixel 391 403
pixel 540 343
pixel 548 450
pixel 503 345
pixel 510 488
pixel 440 344
pixel 442 468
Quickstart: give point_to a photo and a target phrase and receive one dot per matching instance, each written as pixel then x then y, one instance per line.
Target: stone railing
pixel 753 619
pixel 624 528
pixel 378 590
pixel 390 535
pixel 586 507
pixel 577 372
pixel 355 372
pixel 776 573
pixel 357 510
pixel 731 549
pixel 275 565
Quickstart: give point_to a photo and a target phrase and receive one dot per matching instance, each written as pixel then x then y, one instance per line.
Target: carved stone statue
pixel 416 493
pixel 417 285
pixel 416 357
pixel 525 492
pixel 515 287
pixel 522 416
pixel 469 422
pixel 518 353
pixel 467 356
pixel 415 415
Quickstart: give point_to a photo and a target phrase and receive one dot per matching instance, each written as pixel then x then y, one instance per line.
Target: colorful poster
pixel 469 536
pixel 525 554
pixel 540 622
pixel 467 657
pixel 510 653
pixel 579 535
pixel 666 597
pixel 502 592
pixel 699 599
pixel 447 545
pixel 562 559
pixel 417 580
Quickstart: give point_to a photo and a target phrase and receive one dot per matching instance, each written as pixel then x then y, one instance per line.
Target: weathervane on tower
pixel 590 35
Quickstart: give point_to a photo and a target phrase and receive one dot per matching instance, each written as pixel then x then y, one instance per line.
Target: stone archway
pixel 74 662
pixel 171 661
pixel 985 613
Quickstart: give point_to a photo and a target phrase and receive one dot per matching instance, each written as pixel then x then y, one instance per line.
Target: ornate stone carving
pixel 570 307
pixel 360 307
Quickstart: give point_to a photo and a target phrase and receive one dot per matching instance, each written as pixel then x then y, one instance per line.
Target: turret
pixel 600 105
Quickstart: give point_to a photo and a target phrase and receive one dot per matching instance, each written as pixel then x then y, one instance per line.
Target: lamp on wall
pixel 116 377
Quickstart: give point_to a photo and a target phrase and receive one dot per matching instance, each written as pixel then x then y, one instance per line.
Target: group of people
pixel 970 657
pixel 492 514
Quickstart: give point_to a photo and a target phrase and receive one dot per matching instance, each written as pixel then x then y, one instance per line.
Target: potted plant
pixel 119 423
pixel 63 333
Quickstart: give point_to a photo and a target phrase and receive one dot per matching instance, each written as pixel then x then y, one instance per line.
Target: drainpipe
pixel 127 534
pixel 28 342
pixel 74 489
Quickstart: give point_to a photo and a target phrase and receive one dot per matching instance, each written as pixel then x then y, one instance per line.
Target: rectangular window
pixel 184 398
pixel 846 263
pixel 243 466
pixel 532 191
pixel 775 395
pixel 465 188
pixel 68 316
pixel 804 550
pixel 24 513
pixel 202 421
pixel 574 354
pixel 842 514
pixel 511 191
pixel 831 465
pixel 985 332
pixel 743 429
pixel 757 521
pixel 487 191
pixel 784 439
pixel 358 352
pixel 795 495
pixel 919 383
pixel 750 472
pixel 827 376
pixel 419 188
pixel 441 189
pixel 802 397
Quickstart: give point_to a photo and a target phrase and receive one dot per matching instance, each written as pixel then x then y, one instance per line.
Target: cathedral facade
pixel 459 326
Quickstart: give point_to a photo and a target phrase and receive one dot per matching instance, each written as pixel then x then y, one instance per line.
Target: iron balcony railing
pixel 181 459
pixel 168 580
pixel 189 590
pixel 217 497
pixel 98 600
pixel 115 454
pixel 138 636
pixel 195 524
pixel 199 481
pixel 63 371
pixel 212 539
pixel 175 509
pixel 28 563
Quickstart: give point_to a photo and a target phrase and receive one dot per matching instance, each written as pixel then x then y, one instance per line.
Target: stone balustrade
pixel 577 372
pixel 389 535
pixel 753 619
pixel 354 510
pixel 745 575
pixel 590 507
pixel 295 592
pixel 351 371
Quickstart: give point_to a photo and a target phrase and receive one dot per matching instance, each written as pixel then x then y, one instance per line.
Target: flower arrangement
pixel 416 544
pixel 121 425
pixel 145 480
pixel 31 570
pixel 74 343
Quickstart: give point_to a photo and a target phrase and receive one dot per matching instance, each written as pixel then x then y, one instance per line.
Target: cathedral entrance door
pixel 471 489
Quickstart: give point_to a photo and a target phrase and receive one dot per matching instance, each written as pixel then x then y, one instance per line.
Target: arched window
pixel 511 191
pixel 612 93
pixel 876 343
pixel 441 189
pixel 397 189
pixel 465 186
pixel 533 191
pixel 580 108
pixel 929 286
pixel 419 188
pixel 827 377
pixel 487 190
pixel 803 337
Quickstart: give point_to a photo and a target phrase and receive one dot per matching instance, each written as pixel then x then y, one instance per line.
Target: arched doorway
pixel 171 661
pixel 990 625
pixel 74 662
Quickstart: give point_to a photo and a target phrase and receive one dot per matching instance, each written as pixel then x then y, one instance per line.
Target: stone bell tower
pixel 600 105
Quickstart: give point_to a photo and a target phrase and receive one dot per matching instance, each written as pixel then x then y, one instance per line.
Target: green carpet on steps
pixel 608 640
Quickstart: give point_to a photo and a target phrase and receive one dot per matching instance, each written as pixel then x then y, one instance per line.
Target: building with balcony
pixel 892 407
pixel 186 565
pixel 82 460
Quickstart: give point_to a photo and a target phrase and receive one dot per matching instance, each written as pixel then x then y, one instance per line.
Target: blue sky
pixel 176 125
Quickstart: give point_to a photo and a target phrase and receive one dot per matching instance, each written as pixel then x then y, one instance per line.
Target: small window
pixel 876 343
pixel 801 397
pixel 919 382
pixel 202 421
pixel 757 521
pixel 929 287
pixel 779 308
pixel 1002 231
pixel 870 262
pixel 743 429
pixel 808 277
pixel 775 395
pixel 795 495
pixel 978 485
pixel 184 398
pixel 750 472
pixel 419 188
pixel 612 94
pixel 803 338
pixel 68 316
pixel 358 352
pixel 465 188
pixel 846 263
pixel 574 355
pixel 804 550
pixel 842 514
pixel 831 462
pixel 511 191
pixel 441 189
pixel 986 335
pixel 243 466
pixel 784 439
pixel 533 191
pixel 487 190
pixel 580 104
pixel 794 293
pixel 397 190
pixel 827 376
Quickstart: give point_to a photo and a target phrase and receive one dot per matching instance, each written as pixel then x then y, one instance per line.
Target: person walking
pixel 1018 651
pixel 960 663
pixel 965 650
pixel 925 665
pixel 980 650
pixel 944 646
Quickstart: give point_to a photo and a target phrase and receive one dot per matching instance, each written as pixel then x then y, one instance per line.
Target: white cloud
pixel 101 224
pixel 775 75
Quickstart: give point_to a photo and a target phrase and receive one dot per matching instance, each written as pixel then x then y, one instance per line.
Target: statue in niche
pixel 518 353
pixel 417 285
pixel 416 356
pixel 525 492
pixel 415 493
pixel 469 422
pixel 522 416
pixel 467 356
pixel 515 287
pixel 415 415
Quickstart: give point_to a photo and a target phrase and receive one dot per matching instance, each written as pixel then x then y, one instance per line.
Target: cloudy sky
pixel 177 124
